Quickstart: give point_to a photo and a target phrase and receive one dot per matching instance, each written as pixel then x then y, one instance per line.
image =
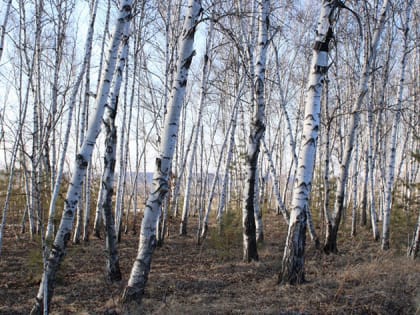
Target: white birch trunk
pixel 354 182
pixel 292 271
pixel 331 239
pixel 121 173
pixel 391 170
pixel 72 102
pixel 113 268
pixel 371 164
pixel 259 228
pixel 3 27
pixel 147 243
pixel 98 215
pixel 363 214
pixel 256 133
pixel 203 95
pixel 280 204
pixel 81 162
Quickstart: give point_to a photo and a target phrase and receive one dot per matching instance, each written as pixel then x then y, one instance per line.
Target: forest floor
pixel 211 278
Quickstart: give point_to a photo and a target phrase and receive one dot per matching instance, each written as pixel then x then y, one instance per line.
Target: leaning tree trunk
pixel 256 133
pixel 294 253
pixel 113 267
pixel 392 158
pixel 330 245
pixel 147 243
pixel 81 162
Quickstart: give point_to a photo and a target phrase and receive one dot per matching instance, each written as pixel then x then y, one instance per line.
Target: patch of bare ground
pixel 212 279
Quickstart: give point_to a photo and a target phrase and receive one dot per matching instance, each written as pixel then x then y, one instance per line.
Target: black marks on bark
pixel 187 62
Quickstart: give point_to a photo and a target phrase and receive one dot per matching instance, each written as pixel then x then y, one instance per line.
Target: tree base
pixel 37 309
pixel 330 248
pixel 131 296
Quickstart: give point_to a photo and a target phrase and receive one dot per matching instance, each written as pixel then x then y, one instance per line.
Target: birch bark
pixel 81 162
pixel 256 133
pixel 203 95
pixel 113 268
pixel 3 27
pixel 147 243
pixel 98 214
pixel 292 271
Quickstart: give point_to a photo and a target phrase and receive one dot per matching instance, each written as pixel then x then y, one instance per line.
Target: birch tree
pixel 147 242
pixel 203 95
pixel 330 245
pixel 256 133
pixel 114 273
pixel 292 270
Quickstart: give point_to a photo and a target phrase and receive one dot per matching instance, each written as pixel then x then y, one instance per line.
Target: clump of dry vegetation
pixel 212 279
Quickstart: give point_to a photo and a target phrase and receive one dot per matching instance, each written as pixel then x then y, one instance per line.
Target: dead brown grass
pixel 212 279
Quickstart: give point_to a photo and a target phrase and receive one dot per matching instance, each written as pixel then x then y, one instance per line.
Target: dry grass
pixel 211 279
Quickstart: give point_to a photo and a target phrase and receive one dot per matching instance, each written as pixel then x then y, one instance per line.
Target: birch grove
pixel 213 129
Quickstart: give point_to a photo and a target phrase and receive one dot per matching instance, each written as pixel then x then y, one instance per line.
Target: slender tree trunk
pixel 292 271
pixel 256 134
pixel 331 240
pixel 363 214
pixel 259 228
pixel 3 27
pixel 355 175
pixel 203 95
pixel 147 243
pixel 81 162
pixel 280 204
pixel 392 158
pixel 113 268
pixel 97 226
